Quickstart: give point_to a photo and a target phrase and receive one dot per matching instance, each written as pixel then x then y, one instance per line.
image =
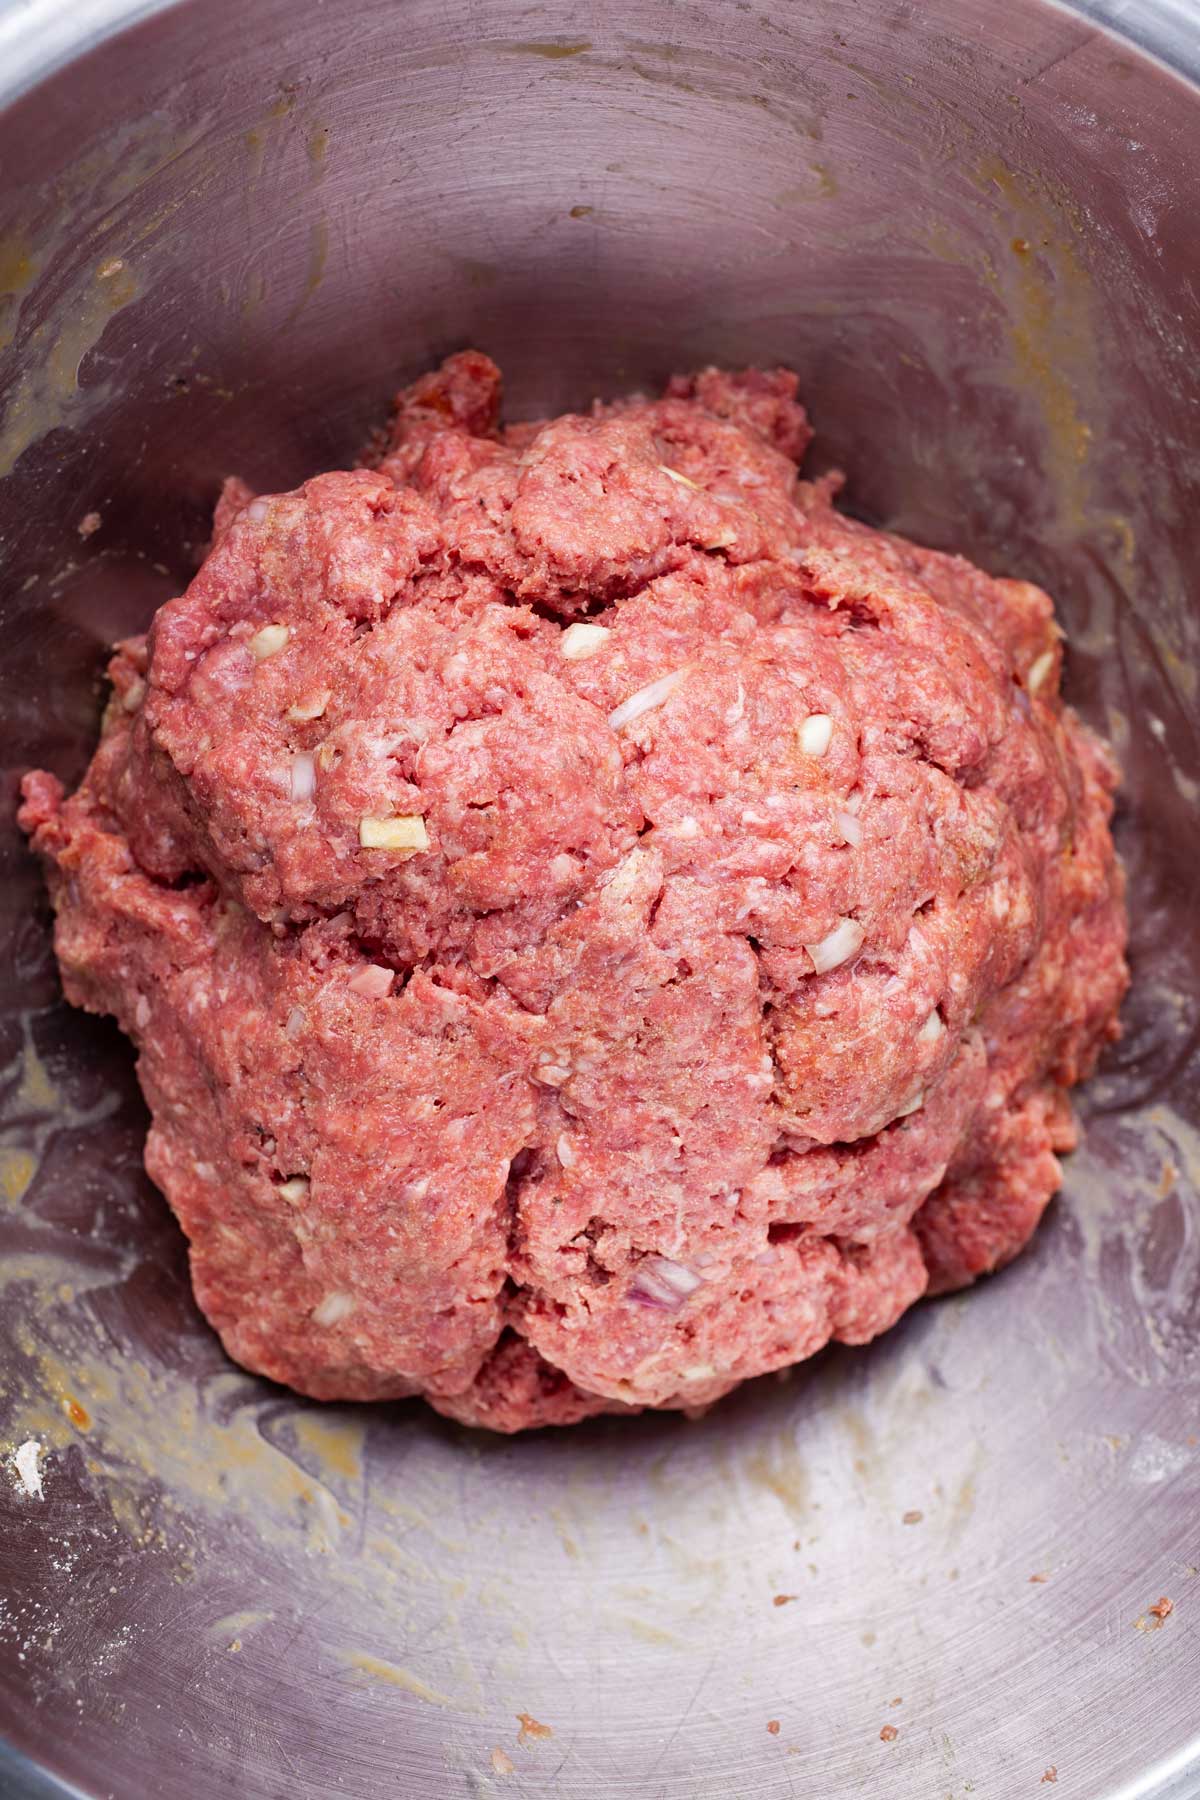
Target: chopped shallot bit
pixel 932 1029
pixel 850 828
pixel 580 640
pixel 815 734
pixel 646 699
pixel 333 1308
pixel 374 980
pixel 294 1190
pixel 837 946
pixel 663 1284
pixel 405 833
pixel 294 1023
pixel 304 776
pixel 683 480
pixel 565 1150
pixel 268 640
pixel 1040 671
pixel 301 711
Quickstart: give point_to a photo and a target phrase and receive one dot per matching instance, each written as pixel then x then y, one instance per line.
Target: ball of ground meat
pixel 596 922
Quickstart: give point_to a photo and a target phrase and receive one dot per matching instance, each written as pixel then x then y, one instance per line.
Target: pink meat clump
pixel 596 923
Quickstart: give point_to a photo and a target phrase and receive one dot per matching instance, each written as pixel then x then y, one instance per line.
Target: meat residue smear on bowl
pixel 596 922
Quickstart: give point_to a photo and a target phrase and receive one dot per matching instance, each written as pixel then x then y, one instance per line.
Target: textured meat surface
pixel 595 922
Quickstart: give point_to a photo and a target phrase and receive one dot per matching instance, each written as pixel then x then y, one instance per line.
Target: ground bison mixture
pixel 596 922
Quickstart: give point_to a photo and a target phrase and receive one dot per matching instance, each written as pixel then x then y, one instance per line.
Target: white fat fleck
pixel 141 1012
pixel 683 480
pixel 29 1474
pixel 294 1190
pixel 133 696
pixel 816 733
pixel 911 1106
pixel 932 1029
pixel 582 640
pixel 1040 672
pixel 333 1308
pixel 837 946
pixel 268 641
pixel 295 1022
pixel 564 867
pixel 697 1372
pixel 851 830
pixel 566 1152
pixel 551 1073
pixel 686 828
pixel 258 510
pixel 750 817
pixel 646 699
pixel 623 879
pixel 405 834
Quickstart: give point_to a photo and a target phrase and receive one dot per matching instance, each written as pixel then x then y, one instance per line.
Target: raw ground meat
pixel 596 923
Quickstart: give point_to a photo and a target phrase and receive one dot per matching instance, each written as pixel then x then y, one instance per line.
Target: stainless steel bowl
pixel 228 231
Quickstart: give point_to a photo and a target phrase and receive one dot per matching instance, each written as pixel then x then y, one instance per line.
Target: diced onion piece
pixel 375 981
pixel 294 1190
pixel 134 694
pixel 837 946
pixel 683 480
pixel 565 1150
pixel 1040 671
pixel 580 640
pixel 663 1284
pixel 646 699
pixel 911 1106
pixel 312 708
pixel 270 639
pixel 815 734
pixel 333 1308
pixel 404 833
pixel 932 1029
pixel 721 539
pixel 304 776
pixel 850 828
